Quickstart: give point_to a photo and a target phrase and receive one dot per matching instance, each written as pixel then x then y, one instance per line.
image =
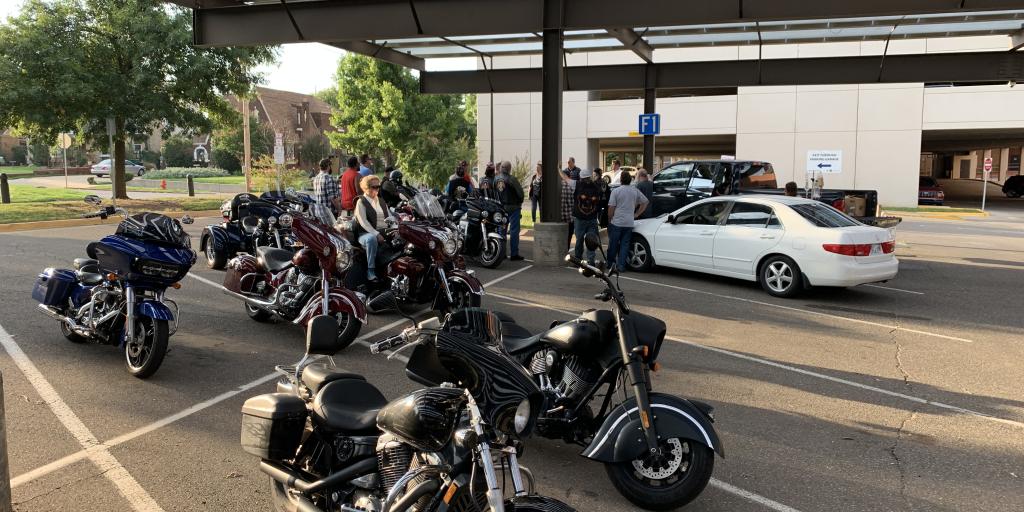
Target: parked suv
pixel 1014 186
pixel 929 191
pixel 105 168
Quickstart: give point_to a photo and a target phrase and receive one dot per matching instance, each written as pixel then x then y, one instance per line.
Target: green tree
pixel 228 145
pixel 72 64
pixel 380 111
pixel 178 151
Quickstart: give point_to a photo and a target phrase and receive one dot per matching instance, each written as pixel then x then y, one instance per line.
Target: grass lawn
pixel 18 171
pixel 31 194
pixel 933 209
pixel 56 210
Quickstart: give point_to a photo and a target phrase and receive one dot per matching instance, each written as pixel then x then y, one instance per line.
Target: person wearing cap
pixel 585 209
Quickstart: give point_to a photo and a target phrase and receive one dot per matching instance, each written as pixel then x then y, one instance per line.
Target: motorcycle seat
pixel 273 259
pixel 315 375
pixel 515 337
pixel 90 278
pixel 86 264
pixel 348 405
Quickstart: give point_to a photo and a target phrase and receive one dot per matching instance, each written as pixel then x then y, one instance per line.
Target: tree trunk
pixel 120 184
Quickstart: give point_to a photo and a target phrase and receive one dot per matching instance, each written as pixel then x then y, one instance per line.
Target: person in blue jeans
pixel 509 191
pixel 586 206
pixel 371 217
pixel 625 205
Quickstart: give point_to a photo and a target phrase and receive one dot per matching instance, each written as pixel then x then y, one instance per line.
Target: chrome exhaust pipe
pixel 77 329
pixel 251 300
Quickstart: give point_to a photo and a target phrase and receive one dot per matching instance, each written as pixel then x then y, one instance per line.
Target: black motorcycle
pixel 658 449
pixel 482 225
pixel 330 441
pixel 249 222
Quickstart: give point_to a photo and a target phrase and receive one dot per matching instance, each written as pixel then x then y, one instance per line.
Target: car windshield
pixel 926 181
pixel 426 205
pixel 823 216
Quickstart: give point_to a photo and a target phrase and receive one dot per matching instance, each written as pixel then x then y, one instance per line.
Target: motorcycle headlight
pixel 450 246
pixel 499 218
pixel 343 254
pixel 484 214
pixel 522 419
pixel 285 220
pixel 432 245
pixel 271 220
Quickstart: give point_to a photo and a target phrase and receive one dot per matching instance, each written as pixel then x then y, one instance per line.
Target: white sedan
pixel 785 243
pixel 130 167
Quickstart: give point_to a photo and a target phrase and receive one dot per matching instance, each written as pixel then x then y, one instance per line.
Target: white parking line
pixel 97 447
pixel 801 371
pixel 756 498
pixel 109 467
pixel 893 289
pixel 801 310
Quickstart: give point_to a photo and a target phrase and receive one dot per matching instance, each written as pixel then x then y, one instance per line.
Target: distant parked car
pixel 1014 186
pixel 616 178
pixel 104 168
pixel 929 191
pixel 784 243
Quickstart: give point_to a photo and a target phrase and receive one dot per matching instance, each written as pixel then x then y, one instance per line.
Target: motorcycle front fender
pixel 496 235
pixel 341 300
pixel 155 310
pixel 468 279
pixel 618 439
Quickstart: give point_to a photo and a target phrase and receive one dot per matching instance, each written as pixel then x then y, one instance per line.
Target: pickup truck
pixel 686 181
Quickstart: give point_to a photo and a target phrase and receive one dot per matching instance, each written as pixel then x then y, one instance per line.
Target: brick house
pixel 8 142
pixel 296 116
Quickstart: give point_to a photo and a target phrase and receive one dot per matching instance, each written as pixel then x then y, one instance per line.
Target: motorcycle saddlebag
pixel 236 271
pixel 272 425
pixel 53 286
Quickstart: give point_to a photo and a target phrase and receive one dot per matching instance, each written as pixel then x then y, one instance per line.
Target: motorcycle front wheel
pixel 462 296
pixel 348 328
pixel 144 355
pixel 667 482
pixel 493 253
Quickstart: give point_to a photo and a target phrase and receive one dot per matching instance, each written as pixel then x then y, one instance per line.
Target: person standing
pixel 791 189
pixel 624 206
pixel 371 216
pixel 459 185
pixel 567 204
pixel 571 169
pixel 585 206
pixel 602 208
pixel 364 165
pixel 325 188
pixel 487 182
pixel 646 187
pixel 349 184
pixel 509 191
pixel 535 188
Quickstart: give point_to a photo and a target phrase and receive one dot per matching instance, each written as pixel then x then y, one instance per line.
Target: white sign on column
pixel 825 161
pixel 278 148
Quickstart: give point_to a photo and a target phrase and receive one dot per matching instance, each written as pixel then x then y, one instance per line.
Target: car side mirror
pixel 322 336
pixel 93 199
pixel 592 241
pixel 671 219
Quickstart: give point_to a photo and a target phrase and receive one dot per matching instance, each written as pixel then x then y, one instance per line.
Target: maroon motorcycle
pixel 293 285
pixel 421 262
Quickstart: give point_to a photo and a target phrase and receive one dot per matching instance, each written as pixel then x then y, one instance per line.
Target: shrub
pixel 178 173
pixel 41 155
pixel 264 176
pixel 18 155
pixel 178 151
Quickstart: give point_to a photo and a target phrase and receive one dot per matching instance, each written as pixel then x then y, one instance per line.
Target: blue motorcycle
pixel 116 295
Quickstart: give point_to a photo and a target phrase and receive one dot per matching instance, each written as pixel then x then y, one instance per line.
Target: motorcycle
pixel 658 449
pixel 421 261
pixel 300 285
pixel 482 223
pixel 330 441
pixel 116 296
pixel 248 222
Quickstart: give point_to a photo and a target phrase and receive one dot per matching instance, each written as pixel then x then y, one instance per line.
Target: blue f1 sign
pixel 650 124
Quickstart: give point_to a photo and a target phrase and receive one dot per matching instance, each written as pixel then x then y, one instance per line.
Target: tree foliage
pixel 381 112
pixel 228 144
pixel 71 64
pixel 178 151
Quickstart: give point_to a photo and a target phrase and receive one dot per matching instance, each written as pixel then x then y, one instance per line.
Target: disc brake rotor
pixel 660 468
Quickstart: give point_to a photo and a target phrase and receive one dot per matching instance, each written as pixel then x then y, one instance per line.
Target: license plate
pixel 876 249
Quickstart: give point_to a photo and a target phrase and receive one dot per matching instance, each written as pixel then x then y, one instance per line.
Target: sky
pixel 304 68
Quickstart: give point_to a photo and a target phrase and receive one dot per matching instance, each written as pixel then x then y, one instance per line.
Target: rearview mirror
pixel 671 219
pixel 322 336
pixel 93 199
pixel 592 241
pixel 187 220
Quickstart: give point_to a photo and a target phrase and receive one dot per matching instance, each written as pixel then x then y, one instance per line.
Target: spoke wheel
pixel 145 353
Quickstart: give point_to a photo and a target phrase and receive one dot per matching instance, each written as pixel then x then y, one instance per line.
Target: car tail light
pixel 889 247
pixel 848 249
pixel 940 194
pixel 839 204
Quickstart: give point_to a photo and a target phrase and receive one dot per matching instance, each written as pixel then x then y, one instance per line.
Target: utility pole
pixel 246 154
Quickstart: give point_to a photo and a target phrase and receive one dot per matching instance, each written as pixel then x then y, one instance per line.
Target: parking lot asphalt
pixel 901 396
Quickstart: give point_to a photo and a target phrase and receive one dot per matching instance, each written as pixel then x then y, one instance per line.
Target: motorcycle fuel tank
pixel 424 419
pixel 579 336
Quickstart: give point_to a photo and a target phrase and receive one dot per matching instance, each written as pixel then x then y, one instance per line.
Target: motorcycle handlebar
pixel 388 343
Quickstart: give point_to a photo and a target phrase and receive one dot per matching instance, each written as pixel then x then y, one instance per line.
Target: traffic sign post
pixel 111 129
pixel 64 141
pixel 278 157
pixel 986 167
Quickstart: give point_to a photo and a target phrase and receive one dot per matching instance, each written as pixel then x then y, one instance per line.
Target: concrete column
pixel 1004 163
pixel 650 97
pixel 549 235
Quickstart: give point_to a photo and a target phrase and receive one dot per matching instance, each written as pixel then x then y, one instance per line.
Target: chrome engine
pixel 400 286
pixel 564 376
pixel 393 460
pixel 295 289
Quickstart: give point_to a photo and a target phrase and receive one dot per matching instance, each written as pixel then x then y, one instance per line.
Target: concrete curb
pixel 71 223
pixel 939 215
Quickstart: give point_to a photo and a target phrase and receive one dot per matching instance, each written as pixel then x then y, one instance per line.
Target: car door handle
pixel 706 233
pixel 767 237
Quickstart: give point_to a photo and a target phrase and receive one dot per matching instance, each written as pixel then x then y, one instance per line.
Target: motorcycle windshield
pixel 154 227
pixel 322 213
pixel 427 206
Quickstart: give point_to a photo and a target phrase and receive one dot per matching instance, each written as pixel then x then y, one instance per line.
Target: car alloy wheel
pixel 779 276
pixel 638 256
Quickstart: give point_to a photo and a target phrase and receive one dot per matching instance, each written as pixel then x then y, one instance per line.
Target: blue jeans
pixel 580 228
pixel 369 242
pixel 514 218
pixel 618 245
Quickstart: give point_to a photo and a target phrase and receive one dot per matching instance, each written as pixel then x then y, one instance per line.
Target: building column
pixel 549 241
pixel 650 97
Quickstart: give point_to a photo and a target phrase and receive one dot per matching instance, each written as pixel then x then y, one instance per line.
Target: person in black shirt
pixel 585 209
